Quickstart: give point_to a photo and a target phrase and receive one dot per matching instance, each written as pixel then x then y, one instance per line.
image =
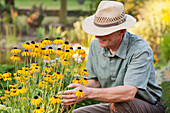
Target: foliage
pixel 40 33
pixel 79 35
pixel 165 48
pixel 151 25
pixel 166 95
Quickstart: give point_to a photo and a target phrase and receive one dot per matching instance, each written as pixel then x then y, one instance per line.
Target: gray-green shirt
pixel 132 64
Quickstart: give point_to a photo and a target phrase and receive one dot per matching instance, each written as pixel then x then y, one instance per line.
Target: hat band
pixel 112 24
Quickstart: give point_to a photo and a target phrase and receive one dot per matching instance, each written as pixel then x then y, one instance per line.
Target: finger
pixel 69 92
pixel 73 85
pixel 66 101
pixel 68 96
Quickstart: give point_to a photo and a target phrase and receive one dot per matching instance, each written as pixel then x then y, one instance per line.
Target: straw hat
pixel 109 17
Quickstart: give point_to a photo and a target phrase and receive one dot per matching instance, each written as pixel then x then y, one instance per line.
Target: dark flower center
pixel 14 91
pixel 85 70
pixel 65 60
pixel 71 48
pixel 15 47
pixel 36 46
pixel 38 108
pixel 46 39
pixel 59 49
pixel 85 78
pixel 32 42
pixel 20 88
pixel 55 97
pixel 15 55
pixel 58 72
pixel 50 48
pixel 79 48
pixel 26 50
pixel 36 97
pixel 58 38
pixel 67 50
pixel 81 90
pixel 77 79
pixel 66 42
pixel 27 43
pixel 43 48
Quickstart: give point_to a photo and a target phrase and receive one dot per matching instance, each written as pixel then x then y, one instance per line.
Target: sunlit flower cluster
pixel 47 68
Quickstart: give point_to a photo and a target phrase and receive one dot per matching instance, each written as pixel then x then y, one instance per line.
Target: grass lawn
pixel 51 4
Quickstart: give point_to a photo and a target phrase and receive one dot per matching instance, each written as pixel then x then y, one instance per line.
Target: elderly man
pixel 120 66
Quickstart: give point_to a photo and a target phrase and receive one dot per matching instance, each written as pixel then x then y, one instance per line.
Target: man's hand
pixel 69 97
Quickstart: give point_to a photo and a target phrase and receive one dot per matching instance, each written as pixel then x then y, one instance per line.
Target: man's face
pixel 110 40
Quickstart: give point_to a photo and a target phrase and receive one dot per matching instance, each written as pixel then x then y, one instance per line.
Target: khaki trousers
pixel 135 106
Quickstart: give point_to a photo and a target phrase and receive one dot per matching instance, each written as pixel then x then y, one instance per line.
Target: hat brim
pixel 90 28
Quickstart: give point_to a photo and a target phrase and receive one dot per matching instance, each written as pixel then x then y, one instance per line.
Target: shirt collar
pixel 121 52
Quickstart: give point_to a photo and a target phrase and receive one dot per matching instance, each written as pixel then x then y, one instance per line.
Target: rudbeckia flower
pixel 22 90
pixel 15 58
pixel 65 46
pixel 26 46
pixel 43 84
pixel 84 81
pixel 14 93
pixel 54 100
pixel 15 50
pixel 13 89
pixel 50 50
pixel 77 81
pixel 59 51
pixel 6 74
pixel 25 53
pixel 7 78
pixel 84 73
pixel 57 75
pixel 79 51
pixel 7 91
pixel 35 54
pixel 13 85
pixel 36 69
pixel 41 44
pixel 66 55
pixel 79 93
pixel 65 62
pixel 36 101
pixel 17 77
pixel 32 45
pixel 46 41
pixel 48 69
pixel 37 49
pixel 39 110
pixel 71 50
pixel 58 41
pixel 43 51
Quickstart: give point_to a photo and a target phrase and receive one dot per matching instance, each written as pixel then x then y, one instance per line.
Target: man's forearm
pixel 113 94
pixel 93 83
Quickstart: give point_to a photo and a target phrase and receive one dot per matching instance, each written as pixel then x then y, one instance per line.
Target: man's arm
pixel 93 83
pixel 113 94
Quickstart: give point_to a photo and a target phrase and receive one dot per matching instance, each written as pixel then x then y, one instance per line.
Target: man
pixel 120 66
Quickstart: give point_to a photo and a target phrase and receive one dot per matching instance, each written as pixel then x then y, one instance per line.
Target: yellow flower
pixel 66 45
pixel 84 73
pixel 36 69
pixel 26 46
pixel 1 76
pixel 41 44
pixel 71 50
pixel 43 51
pixel 7 91
pixel 54 100
pixel 35 54
pixel 65 62
pixel 6 74
pixel 46 41
pixel 25 53
pixel 48 69
pixel 58 41
pixel 84 81
pixel 7 78
pixel 25 72
pixel 79 51
pixel 57 75
pixel 50 50
pixel 18 77
pixel 34 65
pixel 37 49
pixel 66 55
pixel 14 89
pixel 32 45
pixel 22 90
pixel 15 50
pixel 13 85
pixel 43 84
pixel 39 110
pixel 15 58
pixel 77 81
pixel 59 51
pixel 36 101
pixel 46 57
pixel 24 98
pixel 79 93
pixel 14 93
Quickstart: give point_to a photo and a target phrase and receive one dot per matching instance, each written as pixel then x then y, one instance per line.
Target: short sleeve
pixel 90 63
pixel 139 69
